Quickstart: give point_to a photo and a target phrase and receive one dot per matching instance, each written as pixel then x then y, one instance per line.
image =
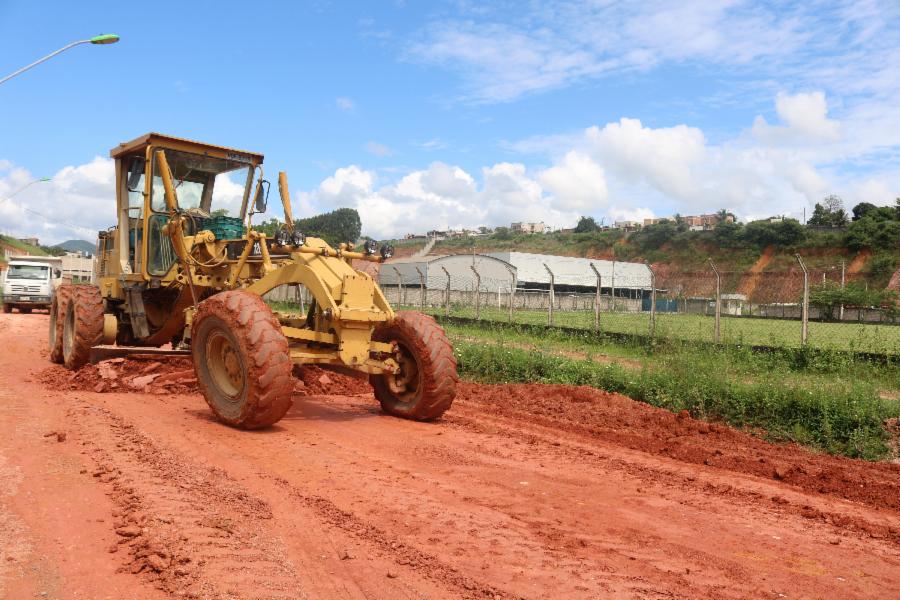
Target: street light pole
pixel 107 38
pixel 30 183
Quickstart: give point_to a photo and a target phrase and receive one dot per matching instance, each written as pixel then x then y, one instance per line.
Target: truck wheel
pixel 25 310
pixel 83 324
pixel 242 360
pixel 426 385
pixel 57 308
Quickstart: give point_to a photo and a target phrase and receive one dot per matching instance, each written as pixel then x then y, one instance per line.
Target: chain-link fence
pixel 755 308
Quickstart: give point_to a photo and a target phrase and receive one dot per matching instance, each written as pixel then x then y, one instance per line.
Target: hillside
pixel 757 255
pixel 77 246
pixel 13 243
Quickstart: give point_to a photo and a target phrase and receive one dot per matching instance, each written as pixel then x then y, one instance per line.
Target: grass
pixel 830 404
pixel 776 333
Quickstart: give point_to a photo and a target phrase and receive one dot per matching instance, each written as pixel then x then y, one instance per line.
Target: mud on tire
pixel 57 318
pixel 83 324
pixel 242 360
pixel 426 386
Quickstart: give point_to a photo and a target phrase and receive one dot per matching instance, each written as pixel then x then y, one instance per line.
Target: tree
pixel 219 212
pixel 502 233
pixel 820 216
pixel 586 225
pixel 861 209
pixel 830 213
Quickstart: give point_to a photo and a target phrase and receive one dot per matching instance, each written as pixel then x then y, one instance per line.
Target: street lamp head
pixel 106 38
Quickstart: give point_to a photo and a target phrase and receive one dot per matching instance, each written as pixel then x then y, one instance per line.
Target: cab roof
pixel 168 141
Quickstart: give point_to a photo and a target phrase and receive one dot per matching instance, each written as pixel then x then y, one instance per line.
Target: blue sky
pixel 428 115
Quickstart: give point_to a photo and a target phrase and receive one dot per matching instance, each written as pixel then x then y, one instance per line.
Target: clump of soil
pixel 317 381
pixel 175 375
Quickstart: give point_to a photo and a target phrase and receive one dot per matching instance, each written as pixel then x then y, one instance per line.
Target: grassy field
pixel 777 333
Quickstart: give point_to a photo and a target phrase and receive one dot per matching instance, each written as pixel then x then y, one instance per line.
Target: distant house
pixel 528 227
pixel 627 225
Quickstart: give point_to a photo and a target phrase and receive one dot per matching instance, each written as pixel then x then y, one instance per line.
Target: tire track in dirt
pixel 189 530
pixel 586 450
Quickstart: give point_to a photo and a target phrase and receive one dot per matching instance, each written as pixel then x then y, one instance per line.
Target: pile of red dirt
pixel 175 375
pixel 626 422
pixel 320 382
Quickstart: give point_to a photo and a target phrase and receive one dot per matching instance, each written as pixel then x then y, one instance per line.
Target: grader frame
pixel 166 276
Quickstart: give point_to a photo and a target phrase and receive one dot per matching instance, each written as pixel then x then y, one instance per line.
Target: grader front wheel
pixel 242 360
pixel 426 384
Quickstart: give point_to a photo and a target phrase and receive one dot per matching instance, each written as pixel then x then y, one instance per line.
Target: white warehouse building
pixel 499 271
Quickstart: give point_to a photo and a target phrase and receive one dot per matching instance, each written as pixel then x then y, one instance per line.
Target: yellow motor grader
pixel 177 270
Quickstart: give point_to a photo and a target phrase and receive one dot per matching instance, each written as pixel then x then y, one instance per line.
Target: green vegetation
pixel 775 333
pixel 28 248
pixel 829 296
pixel 828 401
pixel 341 225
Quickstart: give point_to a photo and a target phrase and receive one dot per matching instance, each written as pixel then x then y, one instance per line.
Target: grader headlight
pixel 387 251
pixel 370 247
pixel 298 238
pixel 282 237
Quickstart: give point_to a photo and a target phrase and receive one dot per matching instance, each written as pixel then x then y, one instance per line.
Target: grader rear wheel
pixel 57 318
pixel 242 360
pixel 83 324
pixel 426 385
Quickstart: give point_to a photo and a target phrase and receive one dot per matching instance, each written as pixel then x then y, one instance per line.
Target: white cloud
pixel 376 149
pixel 345 104
pixel 77 202
pixel 663 157
pixel 577 182
pixel 805 117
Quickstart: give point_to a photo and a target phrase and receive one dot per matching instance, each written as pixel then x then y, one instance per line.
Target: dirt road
pixel 520 491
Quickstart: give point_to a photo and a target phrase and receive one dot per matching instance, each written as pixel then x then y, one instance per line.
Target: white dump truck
pixel 30 282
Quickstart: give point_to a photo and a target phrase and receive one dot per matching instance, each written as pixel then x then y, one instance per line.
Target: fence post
pixel 477 292
pixel 421 290
pixel 596 299
pixel 447 296
pixel 717 336
pixel 512 290
pixel 843 269
pixel 612 289
pixel 552 295
pixel 652 301
pixel 399 287
pixel 804 309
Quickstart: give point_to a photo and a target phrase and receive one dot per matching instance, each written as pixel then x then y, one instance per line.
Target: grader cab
pixel 184 266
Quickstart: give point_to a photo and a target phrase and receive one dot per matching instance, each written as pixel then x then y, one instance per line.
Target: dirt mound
pixel 620 420
pixel 175 375
pixel 319 382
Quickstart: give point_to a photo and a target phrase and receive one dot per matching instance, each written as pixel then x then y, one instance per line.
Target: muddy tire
pixel 426 385
pixel 83 325
pixel 242 360
pixel 57 312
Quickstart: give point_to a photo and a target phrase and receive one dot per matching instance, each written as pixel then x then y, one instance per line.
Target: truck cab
pixel 30 282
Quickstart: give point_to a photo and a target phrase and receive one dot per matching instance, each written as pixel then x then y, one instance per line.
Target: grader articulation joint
pixel 177 269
